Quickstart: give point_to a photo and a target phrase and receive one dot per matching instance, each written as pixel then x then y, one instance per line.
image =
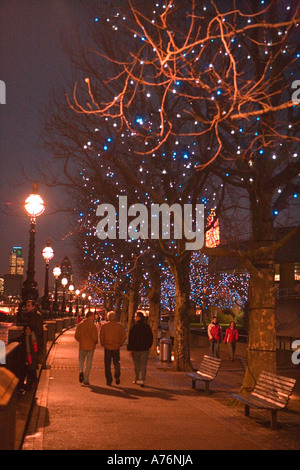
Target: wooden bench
pixel 271 392
pixel 207 372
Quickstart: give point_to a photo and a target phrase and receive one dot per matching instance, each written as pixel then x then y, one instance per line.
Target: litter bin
pixel 165 350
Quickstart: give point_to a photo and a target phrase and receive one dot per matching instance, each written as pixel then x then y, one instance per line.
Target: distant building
pixel 13 285
pixel 16 261
pixel 66 270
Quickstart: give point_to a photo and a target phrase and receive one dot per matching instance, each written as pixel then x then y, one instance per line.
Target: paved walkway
pixel 167 414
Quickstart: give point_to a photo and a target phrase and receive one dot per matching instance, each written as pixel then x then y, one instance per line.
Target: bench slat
pixel 210 359
pixel 278 378
pixel 256 402
pixel 269 388
pixel 271 398
pixel 207 370
pixel 274 386
pixel 278 382
pixel 211 365
pixel 197 376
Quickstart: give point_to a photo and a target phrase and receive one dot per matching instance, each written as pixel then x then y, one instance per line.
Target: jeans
pixel 88 356
pixel 214 348
pixel 112 355
pixel 140 364
pixel 231 349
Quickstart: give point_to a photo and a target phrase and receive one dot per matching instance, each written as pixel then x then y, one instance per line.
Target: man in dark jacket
pixel 140 340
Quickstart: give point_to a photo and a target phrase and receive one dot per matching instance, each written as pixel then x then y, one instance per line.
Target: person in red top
pixel 231 337
pixel 215 336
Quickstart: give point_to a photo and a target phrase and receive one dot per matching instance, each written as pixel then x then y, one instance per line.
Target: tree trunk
pixel 154 310
pixel 262 333
pixel 180 270
pixel 133 297
pixel 124 310
pixel 118 304
pixel 261 304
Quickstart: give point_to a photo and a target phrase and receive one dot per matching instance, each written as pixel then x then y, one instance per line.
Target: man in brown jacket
pixel 112 336
pixel 87 335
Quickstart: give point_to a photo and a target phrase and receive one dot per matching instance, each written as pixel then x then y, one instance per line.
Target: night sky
pixel 31 64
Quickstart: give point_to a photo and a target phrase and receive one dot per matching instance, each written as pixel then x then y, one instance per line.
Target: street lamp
pixel 47 254
pixel 34 206
pixel 64 282
pixel 71 288
pixel 56 273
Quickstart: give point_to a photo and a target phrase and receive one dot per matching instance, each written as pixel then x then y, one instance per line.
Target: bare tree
pixel 222 72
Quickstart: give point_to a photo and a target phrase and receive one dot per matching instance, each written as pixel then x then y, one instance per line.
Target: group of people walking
pixel 112 337
pixel 215 336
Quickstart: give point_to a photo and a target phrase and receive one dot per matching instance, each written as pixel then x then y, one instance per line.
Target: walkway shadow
pixel 39 418
pixel 119 392
pixel 129 393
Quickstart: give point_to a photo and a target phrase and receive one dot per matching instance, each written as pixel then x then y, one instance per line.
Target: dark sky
pixel 31 64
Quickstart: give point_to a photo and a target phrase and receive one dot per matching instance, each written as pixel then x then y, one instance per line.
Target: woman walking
pixel 231 337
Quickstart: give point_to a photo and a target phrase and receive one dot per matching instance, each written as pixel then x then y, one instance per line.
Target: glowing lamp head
pixel 56 271
pixel 48 253
pixel 71 288
pixel 77 292
pixel 64 281
pixel 34 204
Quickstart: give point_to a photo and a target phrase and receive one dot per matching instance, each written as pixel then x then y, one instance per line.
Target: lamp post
pixel 71 288
pixel 64 282
pixel 47 254
pixel 83 297
pixel 77 292
pixel 56 273
pixel 90 298
pixel 34 206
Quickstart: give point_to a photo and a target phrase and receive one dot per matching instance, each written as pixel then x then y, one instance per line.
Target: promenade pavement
pixel 167 414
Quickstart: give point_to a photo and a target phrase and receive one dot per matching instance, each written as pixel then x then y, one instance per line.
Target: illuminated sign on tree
pixel 212 236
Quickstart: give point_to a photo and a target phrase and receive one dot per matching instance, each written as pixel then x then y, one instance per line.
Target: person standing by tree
pixel 87 335
pixel 215 336
pixel 231 337
pixel 112 336
pixel 34 319
pixel 140 340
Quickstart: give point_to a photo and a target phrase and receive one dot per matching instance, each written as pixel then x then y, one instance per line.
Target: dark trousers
pixel 140 364
pixel 231 349
pixel 215 349
pixel 109 356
